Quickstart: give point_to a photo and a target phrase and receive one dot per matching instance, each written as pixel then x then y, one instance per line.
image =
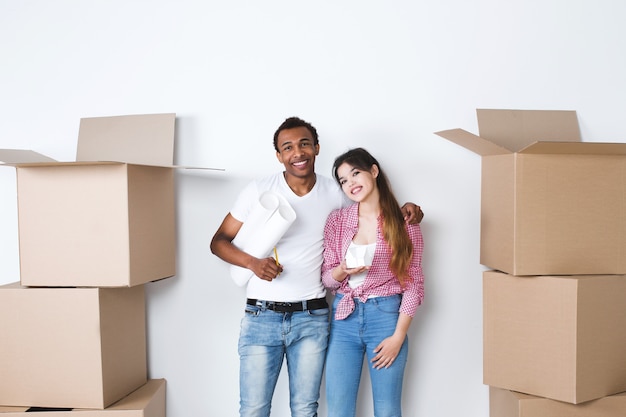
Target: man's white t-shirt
pixel 300 250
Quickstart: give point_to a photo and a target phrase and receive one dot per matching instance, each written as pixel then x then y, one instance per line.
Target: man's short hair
pixel 293 122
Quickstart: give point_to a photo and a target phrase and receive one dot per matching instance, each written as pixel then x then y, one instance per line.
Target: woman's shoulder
pixel 344 214
pixel 349 210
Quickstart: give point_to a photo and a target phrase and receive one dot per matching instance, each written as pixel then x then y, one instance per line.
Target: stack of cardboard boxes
pixel 553 231
pixel 91 234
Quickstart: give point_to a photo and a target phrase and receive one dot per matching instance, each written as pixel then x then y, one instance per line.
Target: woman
pixel 372 262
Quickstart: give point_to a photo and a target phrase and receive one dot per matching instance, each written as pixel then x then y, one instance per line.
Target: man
pixel 286 309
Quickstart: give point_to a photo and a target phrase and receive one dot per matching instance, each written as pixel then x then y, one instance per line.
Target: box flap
pixel 572 148
pixel 58 164
pixel 137 139
pixel 516 129
pixel 472 142
pixel 16 156
pixel 11 409
pixel 146 139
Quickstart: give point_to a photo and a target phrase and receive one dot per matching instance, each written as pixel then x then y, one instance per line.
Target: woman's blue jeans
pixel 266 338
pixel 350 340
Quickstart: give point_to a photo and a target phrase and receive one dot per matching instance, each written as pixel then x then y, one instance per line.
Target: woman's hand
pixel 387 351
pixel 341 271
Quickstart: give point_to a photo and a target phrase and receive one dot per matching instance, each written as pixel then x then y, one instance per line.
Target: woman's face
pixel 356 183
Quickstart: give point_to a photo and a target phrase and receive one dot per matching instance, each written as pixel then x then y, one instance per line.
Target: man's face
pixel 297 152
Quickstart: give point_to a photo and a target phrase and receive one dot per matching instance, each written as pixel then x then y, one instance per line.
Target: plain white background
pixel 383 75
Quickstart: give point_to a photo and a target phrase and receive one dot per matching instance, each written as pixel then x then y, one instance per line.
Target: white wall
pixel 380 74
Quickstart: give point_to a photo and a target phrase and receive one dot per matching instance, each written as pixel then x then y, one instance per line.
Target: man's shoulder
pixel 325 179
pixel 266 182
pixel 328 184
pixel 329 188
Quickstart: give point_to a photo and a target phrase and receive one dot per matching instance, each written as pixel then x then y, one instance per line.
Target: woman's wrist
pixel 338 274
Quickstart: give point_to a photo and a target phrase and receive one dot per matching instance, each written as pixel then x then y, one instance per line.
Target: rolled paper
pixel 268 221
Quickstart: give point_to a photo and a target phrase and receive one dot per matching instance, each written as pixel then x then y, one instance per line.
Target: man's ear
pixel 317 149
pixel 279 157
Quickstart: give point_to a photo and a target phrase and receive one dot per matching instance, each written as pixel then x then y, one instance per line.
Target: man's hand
pixel 267 269
pixel 412 213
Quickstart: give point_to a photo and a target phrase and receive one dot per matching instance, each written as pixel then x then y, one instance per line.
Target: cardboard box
pixel 147 401
pixel 71 347
pixel 558 337
pixel 107 219
pixel 550 204
pixel 504 403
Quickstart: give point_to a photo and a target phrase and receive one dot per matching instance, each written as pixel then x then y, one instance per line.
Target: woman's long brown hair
pixel 394 230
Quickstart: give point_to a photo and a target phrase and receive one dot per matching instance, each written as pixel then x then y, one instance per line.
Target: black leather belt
pixel 289 307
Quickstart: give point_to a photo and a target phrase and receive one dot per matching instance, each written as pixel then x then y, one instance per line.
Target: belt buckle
pixel 281 307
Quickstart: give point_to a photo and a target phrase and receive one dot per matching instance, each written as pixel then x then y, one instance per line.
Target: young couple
pixel 365 248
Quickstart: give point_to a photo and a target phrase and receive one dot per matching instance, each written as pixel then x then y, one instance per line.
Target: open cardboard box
pixel 147 401
pixel 505 403
pixel 557 337
pixel 106 219
pixel 71 347
pixel 550 204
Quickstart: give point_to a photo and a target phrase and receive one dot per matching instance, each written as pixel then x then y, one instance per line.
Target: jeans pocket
pixel 252 310
pixel 320 312
pixel 390 304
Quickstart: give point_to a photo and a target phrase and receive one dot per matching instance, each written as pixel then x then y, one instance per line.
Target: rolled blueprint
pixel 268 221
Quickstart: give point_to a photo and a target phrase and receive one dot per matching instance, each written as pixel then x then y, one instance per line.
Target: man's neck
pixel 300 186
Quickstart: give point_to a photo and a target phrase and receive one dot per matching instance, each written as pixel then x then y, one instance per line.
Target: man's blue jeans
pixel 350 340
pixel 266 338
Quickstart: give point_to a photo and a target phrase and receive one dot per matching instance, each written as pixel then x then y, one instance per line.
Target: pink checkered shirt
pixel 341 226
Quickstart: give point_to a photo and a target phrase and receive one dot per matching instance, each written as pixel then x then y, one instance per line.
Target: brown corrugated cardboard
pixel 138 139
pixel 558 337
pixel 551 205
pixel 96 225
pixel 71 347
pixel 505 403
pixel 107 219
pixel 147 401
